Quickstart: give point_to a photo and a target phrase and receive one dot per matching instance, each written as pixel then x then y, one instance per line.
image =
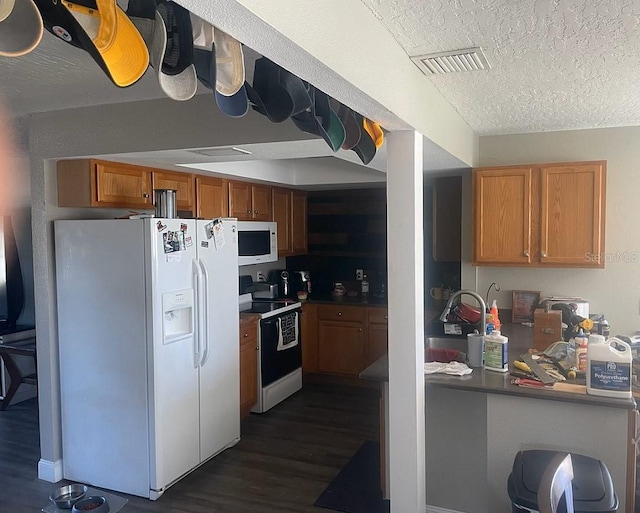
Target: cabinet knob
pixel 145 195
pixel 248 211
pixel 359 329
pixel 246 335
pixel 386 317
pixel 257 348
pixel 339 314
pixel 543 254
pixel 526 253
pixel 255 211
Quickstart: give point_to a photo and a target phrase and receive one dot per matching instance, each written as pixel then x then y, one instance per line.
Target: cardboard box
pixel 547 328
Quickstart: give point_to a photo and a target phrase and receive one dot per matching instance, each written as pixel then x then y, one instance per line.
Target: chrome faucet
pixel 478 297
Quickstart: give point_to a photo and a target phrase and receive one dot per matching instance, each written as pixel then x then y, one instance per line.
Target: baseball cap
pixel 230 73
pixel 171 51
pixel 366 147
pixel 321 119
pixel 20 27
pixel 101 28
pixel 374 130
pixel 205 61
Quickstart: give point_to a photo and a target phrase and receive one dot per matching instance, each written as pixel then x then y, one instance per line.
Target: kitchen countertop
pixel 346 300
pixel 492 382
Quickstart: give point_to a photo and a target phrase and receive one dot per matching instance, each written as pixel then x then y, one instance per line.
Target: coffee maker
pixel 300 282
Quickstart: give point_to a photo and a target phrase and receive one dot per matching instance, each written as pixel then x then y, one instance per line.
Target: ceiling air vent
pixel 470 59
pixel 221 151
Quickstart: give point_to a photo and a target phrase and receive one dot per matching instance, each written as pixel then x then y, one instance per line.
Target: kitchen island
pixel 476 424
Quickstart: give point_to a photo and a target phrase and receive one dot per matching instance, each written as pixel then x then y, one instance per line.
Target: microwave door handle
pixel 196 337
pixel 205 313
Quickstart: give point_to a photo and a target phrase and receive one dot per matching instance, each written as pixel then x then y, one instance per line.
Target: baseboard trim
pixel 50 470
pixel 436 509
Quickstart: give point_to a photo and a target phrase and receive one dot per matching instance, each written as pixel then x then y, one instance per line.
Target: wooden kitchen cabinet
pixel 182 183
pixel 290 212
pixel 212 198
pixel 446 219
pixel 298 223
pixel 281 204
pixel 309 337
pixel 96 183
pixel 377 335
pixel 250 202
pixel 341 332
pixel 543 215
pixel 248 364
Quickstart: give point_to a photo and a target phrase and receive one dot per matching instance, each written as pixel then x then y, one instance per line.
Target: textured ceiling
pixel 556 64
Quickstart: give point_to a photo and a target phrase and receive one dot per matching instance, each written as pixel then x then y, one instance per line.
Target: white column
pixel 406 322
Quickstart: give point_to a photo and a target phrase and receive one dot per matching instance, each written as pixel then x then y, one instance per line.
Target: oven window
pixel 254 243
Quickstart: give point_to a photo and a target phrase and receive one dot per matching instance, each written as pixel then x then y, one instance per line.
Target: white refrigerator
pixel 148 346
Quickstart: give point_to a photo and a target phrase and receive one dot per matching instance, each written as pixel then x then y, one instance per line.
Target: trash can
pixel 592 485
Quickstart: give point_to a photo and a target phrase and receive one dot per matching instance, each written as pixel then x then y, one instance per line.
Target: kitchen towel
pixel 287 331
pixel 453 368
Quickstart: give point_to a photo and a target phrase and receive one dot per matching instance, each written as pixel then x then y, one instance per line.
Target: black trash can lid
pixel 592 485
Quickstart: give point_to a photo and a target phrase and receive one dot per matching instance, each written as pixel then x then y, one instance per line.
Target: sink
pixel 445 348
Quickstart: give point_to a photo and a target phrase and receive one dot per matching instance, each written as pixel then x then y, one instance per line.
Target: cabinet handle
pixel 543 254
pixel 526 253
pixel 145 195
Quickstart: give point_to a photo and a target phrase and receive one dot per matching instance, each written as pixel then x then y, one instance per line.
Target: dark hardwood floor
pixel 285 459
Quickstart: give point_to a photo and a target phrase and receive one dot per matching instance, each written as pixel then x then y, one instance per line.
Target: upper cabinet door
pixel 182 183
pixel 261 203
pixel 299 223
pixel 282 216
pixel 502 215
pixel 446 219
pixel 572 214
pixel 212 198
pixel 121 184
pixel 240 201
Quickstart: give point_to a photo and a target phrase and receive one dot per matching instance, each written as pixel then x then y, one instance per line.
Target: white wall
pixel 615 290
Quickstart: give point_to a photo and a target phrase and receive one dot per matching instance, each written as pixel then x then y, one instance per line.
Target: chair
pixel 7 352
pixel 555 482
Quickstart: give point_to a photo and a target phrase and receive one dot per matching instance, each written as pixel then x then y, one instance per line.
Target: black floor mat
pixel 356 488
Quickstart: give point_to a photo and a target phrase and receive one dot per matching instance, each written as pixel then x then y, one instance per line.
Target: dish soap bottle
pixel 494 313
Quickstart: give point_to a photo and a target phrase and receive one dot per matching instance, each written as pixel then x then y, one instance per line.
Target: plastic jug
pixel 609 368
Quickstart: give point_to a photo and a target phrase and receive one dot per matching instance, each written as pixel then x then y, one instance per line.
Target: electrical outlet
pixel 359 274
pixel 260 276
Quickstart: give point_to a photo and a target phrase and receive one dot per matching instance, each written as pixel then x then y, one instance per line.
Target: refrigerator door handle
pixel 205 314
pixel 197 278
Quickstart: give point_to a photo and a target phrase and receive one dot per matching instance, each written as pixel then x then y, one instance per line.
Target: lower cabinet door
pixel 340 347
pixel 377 343
pixel 248 367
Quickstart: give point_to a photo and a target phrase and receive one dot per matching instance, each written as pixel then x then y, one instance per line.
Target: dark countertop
pixel 346 300
pixel 492 382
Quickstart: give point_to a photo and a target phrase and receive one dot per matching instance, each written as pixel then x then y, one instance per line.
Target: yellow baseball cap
pixel 374 130
pixel 105 32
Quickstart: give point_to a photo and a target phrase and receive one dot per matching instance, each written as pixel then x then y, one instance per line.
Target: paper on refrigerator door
pixel 215 230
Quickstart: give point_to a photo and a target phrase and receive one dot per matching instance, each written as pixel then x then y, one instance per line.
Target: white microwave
pixel 257 242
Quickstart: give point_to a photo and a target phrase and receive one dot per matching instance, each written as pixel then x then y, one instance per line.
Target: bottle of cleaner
pixel 494 313
pixel 609 368
pixel 495 352
pixel 364 287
